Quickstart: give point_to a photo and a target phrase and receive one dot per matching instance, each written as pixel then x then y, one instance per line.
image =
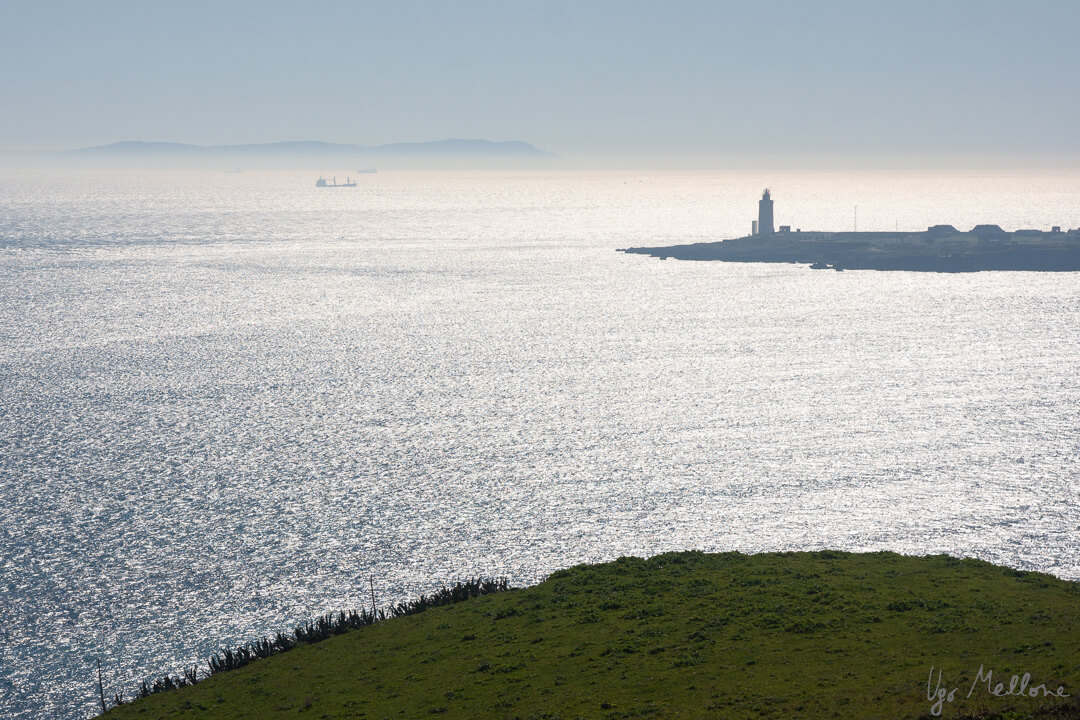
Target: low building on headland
pixel 764 226
pixel 989 232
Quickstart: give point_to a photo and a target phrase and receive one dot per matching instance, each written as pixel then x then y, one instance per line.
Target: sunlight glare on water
pixel 226 399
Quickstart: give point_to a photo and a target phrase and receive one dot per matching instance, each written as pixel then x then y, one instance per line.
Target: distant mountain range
pixel 439 148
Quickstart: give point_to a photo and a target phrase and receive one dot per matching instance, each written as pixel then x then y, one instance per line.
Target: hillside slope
pixel 684 635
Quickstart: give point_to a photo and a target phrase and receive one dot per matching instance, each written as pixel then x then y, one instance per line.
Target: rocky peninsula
pixel 940 248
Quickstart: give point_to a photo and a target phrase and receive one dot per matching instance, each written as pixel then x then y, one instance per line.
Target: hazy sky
pixel 967 76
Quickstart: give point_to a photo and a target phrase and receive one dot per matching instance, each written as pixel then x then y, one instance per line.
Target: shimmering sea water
pixel 228 399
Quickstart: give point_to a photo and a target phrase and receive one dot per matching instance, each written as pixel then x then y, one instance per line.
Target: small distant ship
pixel 321 182
pixel 232 172
pixel 367 171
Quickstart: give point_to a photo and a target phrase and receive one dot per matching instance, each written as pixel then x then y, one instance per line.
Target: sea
pixel 230 402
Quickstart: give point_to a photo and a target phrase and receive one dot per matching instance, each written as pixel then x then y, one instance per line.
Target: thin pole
pixel 371 579
pixel 100 687
pixel 856 226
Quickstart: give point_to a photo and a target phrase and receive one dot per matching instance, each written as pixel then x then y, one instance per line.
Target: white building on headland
pixel 764 224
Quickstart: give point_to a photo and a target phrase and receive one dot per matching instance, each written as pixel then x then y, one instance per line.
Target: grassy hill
pixel 685 635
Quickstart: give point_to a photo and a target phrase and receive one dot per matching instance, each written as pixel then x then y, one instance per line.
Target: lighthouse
pixel 764 214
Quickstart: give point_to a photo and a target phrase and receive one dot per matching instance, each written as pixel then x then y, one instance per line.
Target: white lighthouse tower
pixel 764 214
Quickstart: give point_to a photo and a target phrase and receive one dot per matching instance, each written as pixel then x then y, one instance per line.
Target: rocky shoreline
pixel 939 249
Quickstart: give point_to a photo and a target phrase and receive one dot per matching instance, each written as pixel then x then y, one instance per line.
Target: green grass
pixel 683 635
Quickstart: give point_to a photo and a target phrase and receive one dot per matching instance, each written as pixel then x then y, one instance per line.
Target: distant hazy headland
pixel 451 153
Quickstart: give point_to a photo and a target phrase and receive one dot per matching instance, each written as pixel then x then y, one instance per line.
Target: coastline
pixel 945 251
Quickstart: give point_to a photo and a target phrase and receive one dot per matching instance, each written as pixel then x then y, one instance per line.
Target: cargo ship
pixel 321 182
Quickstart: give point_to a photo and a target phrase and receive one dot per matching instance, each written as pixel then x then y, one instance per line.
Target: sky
pixel 962 77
